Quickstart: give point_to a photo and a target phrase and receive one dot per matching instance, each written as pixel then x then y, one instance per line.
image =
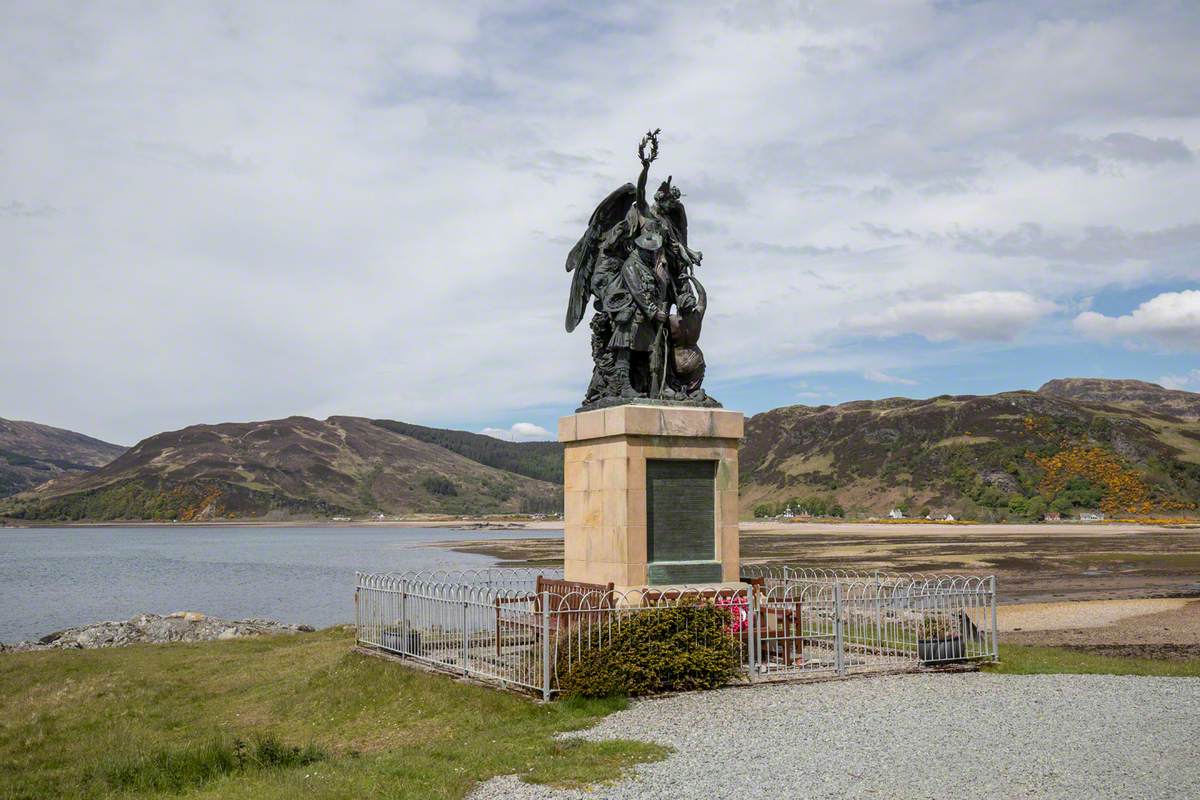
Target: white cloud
pixel 343 209
pixel 1188 382
pixel 1171 318
pixel 973 316
pixel 879 376
pixel 519 432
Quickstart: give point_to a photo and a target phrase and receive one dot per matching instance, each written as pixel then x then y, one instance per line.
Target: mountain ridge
pixel 1124 447
pixel 1015 453
pixel 32 453
pixel 292 466
pixel 1127 393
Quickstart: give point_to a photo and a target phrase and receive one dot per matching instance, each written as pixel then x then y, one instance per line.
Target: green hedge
pixel 675 649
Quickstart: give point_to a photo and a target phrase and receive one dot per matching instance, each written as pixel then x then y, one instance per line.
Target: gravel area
pixel 912 736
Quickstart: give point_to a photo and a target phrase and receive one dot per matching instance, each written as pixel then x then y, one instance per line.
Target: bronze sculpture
pixel 634 262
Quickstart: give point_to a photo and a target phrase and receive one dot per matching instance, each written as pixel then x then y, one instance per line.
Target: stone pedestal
pixel 651 495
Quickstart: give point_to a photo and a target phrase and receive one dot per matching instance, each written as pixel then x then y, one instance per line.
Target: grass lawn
pixel 276 717
pixel 1029 660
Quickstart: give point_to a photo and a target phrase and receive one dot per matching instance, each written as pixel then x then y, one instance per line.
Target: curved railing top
pixel 778 581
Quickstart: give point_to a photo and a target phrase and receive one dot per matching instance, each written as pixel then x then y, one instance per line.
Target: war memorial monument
pixel 651 523
pixel 651 460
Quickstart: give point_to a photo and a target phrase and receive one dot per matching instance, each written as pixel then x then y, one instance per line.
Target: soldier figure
pixel 636 304
pixel 634 261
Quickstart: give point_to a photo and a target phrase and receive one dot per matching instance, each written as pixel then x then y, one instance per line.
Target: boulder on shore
pixel 181 626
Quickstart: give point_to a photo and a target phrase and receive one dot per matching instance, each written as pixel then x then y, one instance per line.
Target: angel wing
pixel 678 219
pixel 582 258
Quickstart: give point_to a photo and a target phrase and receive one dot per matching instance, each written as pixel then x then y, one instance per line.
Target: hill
pixel 1123 447
pixel 1014 454
pixel 1137 395
pixel 298 465
pixel 31 454
pixel 541 460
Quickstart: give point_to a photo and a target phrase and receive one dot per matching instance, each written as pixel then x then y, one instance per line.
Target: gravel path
pixel 913 736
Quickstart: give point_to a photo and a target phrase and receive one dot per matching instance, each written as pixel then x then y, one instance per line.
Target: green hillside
pixel 1124 448
pixel 31 454
pixel 294 466
pixel 1010 455
pixel 540 460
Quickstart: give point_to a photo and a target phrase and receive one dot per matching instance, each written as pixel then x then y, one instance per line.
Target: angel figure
pixel 634 263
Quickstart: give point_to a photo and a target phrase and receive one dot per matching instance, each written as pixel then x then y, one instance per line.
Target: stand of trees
pixel 811 506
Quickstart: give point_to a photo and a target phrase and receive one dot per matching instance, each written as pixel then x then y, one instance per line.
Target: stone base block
pixel 633 514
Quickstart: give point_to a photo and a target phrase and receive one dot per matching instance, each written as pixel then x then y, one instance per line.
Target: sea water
pixel 55 578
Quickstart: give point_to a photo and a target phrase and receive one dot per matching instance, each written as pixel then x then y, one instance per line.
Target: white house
pixel 896 513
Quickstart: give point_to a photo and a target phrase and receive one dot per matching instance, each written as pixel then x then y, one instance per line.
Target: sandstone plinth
pixel 639 509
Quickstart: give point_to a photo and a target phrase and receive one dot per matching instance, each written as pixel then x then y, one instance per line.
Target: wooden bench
pixel 779 627
pixel 781 632
pixel 568 603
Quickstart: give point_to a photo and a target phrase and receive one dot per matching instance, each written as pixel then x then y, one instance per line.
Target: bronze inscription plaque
pixel 680 513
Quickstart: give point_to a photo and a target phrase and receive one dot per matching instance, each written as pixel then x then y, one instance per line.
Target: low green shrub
pixel 440 485
pixel 674 649
pixel 180 769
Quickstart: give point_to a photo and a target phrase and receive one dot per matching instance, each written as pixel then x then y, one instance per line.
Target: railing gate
pixel 995 628
pixel 545 645
pixel 466 671
pixel 751 631
pixel 839 635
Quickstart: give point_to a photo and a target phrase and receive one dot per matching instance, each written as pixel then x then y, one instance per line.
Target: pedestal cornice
pixel 651 420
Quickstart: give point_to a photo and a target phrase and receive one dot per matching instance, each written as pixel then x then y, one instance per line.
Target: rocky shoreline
pixel 180 626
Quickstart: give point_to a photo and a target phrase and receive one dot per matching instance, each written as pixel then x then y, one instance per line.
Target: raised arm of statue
pixel 651 138
pixel 642 205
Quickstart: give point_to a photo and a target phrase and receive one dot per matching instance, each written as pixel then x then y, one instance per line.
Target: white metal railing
pixel 521 627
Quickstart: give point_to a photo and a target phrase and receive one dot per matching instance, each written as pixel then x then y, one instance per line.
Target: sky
pixel 238 211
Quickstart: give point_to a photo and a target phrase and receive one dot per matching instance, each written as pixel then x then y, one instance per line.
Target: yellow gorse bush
pixel 1124 490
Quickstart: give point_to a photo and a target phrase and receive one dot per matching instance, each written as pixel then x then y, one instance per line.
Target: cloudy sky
pixel 234 211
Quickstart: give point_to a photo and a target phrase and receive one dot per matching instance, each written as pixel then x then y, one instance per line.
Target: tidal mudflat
pixel 1044 562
